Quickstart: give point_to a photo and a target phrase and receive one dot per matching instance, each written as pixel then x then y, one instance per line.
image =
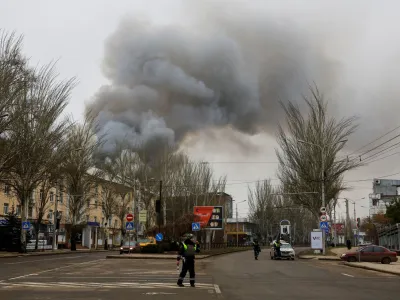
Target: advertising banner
pixel 316 240
pixel 209 217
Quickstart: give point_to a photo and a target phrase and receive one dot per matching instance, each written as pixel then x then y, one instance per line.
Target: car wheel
pixel 386 260
pixel 351 259
pixel 292 258
pixel 120 252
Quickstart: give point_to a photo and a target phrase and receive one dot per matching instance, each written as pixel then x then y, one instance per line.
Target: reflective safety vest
pixel 277 244
pixel 190 250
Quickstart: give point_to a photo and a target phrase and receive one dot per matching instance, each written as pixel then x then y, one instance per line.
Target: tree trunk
pixel 73 239
pixel 23 231
pixel 37 229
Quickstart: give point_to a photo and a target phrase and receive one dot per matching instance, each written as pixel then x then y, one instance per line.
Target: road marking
pixel 101 285
pixel 217 289
pixel 56 269
pixel 347 275
pixel 39 260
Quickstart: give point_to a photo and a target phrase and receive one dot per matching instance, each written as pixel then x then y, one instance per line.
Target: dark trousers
pixel 278 252
pixel 188 265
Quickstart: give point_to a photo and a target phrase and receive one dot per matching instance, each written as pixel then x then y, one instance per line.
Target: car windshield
pixel 286 246
pixel 132 243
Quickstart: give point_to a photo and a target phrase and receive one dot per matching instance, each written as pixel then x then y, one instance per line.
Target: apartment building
pixel 94 228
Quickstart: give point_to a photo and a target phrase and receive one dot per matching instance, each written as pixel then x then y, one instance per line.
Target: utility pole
pixel 355 220
pixel 54 246
pixel 348 225
pixel 323 195
pixel 159 217
pixel 164 205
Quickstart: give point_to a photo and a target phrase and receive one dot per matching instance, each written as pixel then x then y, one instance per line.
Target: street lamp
pixel 322 148
pixel 237 222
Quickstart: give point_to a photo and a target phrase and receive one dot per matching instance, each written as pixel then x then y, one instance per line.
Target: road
pixel 234 276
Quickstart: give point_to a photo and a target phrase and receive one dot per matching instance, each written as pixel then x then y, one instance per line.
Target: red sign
pixel 129 217
pixel 339 228
pixel 209 217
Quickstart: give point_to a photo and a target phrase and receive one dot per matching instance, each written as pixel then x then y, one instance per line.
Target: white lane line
pixel 56 269
pixel 39 260
pixel 347 275
pixel 217 289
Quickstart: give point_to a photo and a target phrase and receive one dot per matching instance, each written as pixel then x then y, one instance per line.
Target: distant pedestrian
pixel 348 244
pixel 187 254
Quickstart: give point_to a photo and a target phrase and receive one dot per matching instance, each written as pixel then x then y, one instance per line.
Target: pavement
pixel 336 251
pixel 91 276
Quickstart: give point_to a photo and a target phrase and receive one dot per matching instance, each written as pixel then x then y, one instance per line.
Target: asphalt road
pixel 234 276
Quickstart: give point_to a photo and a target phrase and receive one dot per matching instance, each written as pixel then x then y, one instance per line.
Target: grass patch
pixel 311 252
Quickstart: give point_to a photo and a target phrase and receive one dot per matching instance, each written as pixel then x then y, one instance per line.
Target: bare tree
pixel 13 74
pixel 79 172
pixel 37 135
pixel 300 160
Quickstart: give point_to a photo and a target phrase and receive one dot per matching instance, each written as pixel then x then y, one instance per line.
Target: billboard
pixel 316 240
pixel 209 217
pixel 338 228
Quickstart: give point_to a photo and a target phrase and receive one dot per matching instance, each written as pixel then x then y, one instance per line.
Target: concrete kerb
pixel 52 253
pixel 168 256
pixel 355 265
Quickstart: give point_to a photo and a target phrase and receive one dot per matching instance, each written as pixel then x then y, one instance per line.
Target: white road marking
pixel 347 275
pixel 56 269
pixel 101 285
pixel 39 260
pixel 217 289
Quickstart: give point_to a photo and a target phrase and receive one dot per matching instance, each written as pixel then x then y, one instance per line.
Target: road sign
pixel 210 217
pixel 129 226
pixel 26 225
pixel 323 218
pixel 195 226
pixel 323 225
pixel 129 217
pixel 143 216
pixel 159 237
pixel 323 210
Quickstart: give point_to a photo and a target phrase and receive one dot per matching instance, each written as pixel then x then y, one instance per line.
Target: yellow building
pixel 95 228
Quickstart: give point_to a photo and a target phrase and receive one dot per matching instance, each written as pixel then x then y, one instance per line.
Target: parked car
pixel 371 253
pixel 129 247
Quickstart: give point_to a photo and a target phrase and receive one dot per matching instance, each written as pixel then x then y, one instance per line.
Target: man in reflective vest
pixel 277 247
pixel 187 253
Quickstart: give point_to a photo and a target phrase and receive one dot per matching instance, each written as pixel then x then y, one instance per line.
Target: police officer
pixel 256 248
pixel 187 253
pixel 277 246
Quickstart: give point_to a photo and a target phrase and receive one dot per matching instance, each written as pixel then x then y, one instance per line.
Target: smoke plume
pixel 221 65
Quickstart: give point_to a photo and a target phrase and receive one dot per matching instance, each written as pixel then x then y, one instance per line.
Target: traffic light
pixel 158 206
pixel 358 222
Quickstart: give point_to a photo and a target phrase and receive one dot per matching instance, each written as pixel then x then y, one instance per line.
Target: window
pixel 51 196
pixel 59 215
pixel 102 221
pixel 87 218
pixel 95 219
pixel 115 223
pixel 30 211
pixel 5 209
pixel 379 249
pixel 96 203
pixel 50 214
pixel 7 189
pixel 368 249
pixel 60 194
pixel 33 197
pixel 41 195
pixel 18 212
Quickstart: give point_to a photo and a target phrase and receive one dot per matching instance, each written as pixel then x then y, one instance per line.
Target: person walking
pixel 187 253
pixel 277 247
pixel 256 248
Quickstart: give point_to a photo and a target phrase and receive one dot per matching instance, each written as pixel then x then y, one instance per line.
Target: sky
pixel 350 50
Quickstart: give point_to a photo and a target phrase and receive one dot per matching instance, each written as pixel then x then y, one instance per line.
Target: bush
pixel 152 248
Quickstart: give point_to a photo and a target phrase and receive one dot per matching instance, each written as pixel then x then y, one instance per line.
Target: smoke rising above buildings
pixel 223 65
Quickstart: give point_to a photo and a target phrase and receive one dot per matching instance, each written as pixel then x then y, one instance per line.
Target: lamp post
pixel 237 223
pixel 322 148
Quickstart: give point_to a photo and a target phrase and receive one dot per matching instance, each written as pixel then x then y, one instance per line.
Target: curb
pixel 53 253
pixel 320 258
pixel 371 269
pixel 161 256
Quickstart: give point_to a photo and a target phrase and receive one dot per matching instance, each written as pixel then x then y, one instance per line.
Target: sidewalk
pixel 333 254
pixel 48 252
pixel 393 268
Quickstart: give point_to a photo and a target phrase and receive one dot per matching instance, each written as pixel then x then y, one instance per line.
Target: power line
pixel 377 139
pixel 384 150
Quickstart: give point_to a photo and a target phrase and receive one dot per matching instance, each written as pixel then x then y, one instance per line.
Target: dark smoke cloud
pixel 225 65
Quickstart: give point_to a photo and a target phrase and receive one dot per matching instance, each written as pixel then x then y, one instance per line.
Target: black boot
pixel 180 283
pixel 192 283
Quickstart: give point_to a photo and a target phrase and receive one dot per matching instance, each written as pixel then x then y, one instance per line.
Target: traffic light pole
pixel 159 216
